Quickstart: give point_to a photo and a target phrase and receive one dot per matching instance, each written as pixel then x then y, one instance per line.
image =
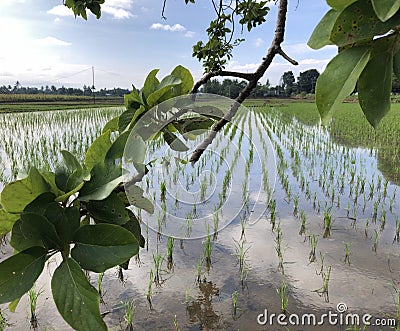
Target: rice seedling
pixel 157 261
pixel 347 253
pixel 216 224
pixel 313 243
pixel 303 223
pixel 272 209
pixel 327 223
pixel 383 219
pixel 284 299
pixel 149 286
pixel 129 313
pixel 163 191
pixel 324 290
pixel 295 205
pixel 235 296
pixel 3 321
pixel 176 323
pixel 243 227
pixel 375 244
pixel 170 248
pixel 33 297
pixel 199 270
pixel 100 286
pixel 397 235
pixel 207 249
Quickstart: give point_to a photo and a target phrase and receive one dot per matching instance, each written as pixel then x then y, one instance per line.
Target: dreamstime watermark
pixel 340 317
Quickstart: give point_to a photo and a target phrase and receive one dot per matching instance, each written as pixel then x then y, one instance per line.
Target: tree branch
pixel 252 81
pixel 221 73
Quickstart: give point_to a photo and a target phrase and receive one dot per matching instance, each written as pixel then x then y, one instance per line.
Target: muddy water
pixel 366 283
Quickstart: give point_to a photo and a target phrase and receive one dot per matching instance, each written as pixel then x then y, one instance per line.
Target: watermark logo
pixel 340 317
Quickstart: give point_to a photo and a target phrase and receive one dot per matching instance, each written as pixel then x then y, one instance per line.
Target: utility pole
pixel 93 87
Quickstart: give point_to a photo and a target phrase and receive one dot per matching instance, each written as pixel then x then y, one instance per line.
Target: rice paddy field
pixel 279 216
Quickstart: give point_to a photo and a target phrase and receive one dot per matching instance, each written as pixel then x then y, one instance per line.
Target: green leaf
pixel 19 272
pixel 77 179
pixel 340 4
pixel 50 178
pixel 104 179
pixel 61 177
pixel 98 150
pixel 165 86
pixel 132 100
pixel 133 227
pixel 375 86
pixel 103 246
pixel 396 64
pixel 35 227
pixel 174 142
pixel 110 210
pixel 13 305
pixel 65 220
pixel 135 149
pixel 38 206
pixel 385 9
pixel 7 221
pixel 111 125
pixel 322 32
pixel 129 117
pixel 70 161
pixel 135 197
pixel 358 23
pixel 116 150
pixel 151 83
pixel 76 300
pixel 186 78
pixel 16 195
pixel 19 241
pixel 339 78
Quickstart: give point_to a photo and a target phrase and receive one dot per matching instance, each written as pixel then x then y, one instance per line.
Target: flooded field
pixel 279 216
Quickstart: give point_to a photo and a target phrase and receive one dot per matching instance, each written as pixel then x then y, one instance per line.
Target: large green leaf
pixel 76 300
pixel 111 125
pixel 165 86
pixel 16 195
pixel 385 9
pixel 174 142
pixel 116 150
pixel 70 161
pixel 375 86
pixel 103 246
pixel 19 272
pixel 50 178
pixel 36 227
pixel 339 78
pixel 340 4
pixel 19 241
pixel 184 87
pixel 358 23
pixel 110 210
pixel 135 149
pixel 133 227
pixel 77 178
pixel 7 221
pixel 129 117
pixel 98 150
pixel 322 32
pixel 65 220
pixel 132 100
pixel 396 64
pixel 151 83
pixel 104 179
pixel 135 197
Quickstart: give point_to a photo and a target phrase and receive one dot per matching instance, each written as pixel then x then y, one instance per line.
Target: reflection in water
pixel 201 310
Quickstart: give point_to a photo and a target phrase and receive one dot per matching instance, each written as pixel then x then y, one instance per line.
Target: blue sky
pixel 43 44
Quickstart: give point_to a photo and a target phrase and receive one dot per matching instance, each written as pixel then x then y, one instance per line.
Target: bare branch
pixel 252 83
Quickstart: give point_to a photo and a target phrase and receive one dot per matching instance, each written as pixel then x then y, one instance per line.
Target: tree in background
pixel 288 82
pixel 307 80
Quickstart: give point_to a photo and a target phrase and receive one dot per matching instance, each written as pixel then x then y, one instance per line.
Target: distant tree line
pixel 17 88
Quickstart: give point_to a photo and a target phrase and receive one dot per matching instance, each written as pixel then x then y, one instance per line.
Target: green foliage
pixel 367 35
pixel 81 206
pixel 79 7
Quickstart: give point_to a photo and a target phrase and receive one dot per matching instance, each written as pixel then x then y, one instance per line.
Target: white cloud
pixel 51 41
pixel 60 10
pixel 258 42
pixel 190 34
pixel 167 27
pixel 117 13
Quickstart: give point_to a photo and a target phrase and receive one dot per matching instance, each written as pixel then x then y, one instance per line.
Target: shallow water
pixel 308 164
